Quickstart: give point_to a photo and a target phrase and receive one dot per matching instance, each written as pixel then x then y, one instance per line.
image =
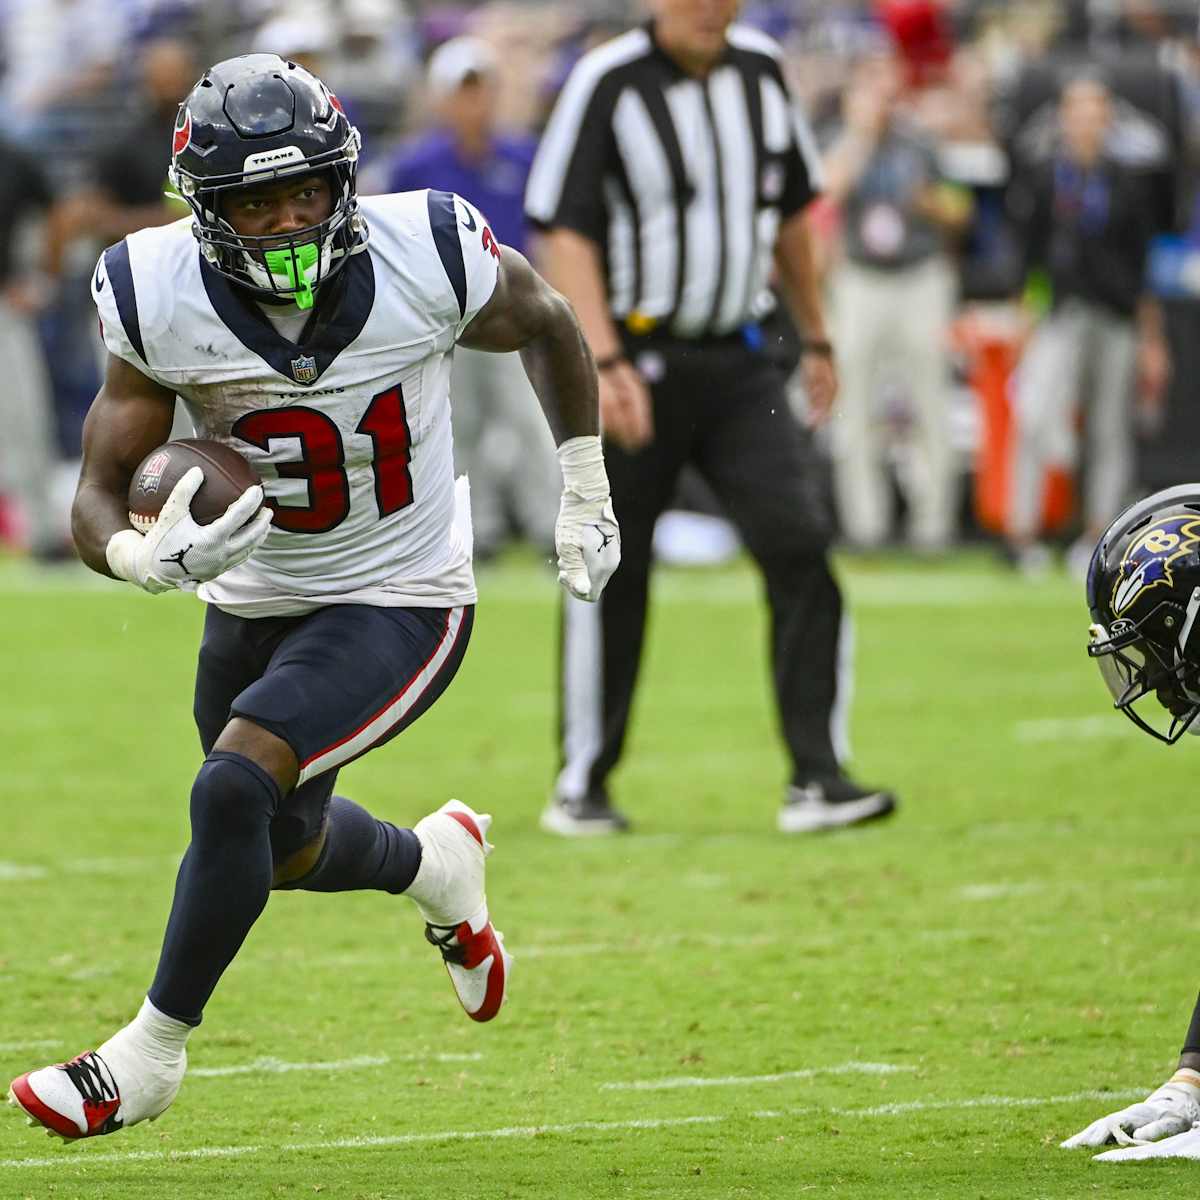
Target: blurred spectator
pixel 535 46
pixel 304 40
pixel 28 454
pixel 1086 221
pixel 122 190
pixel 462 150
pixel 361 48
pixel 129 174
pixel 500 438
pixel 58 54
pixel 920 30
pixel 893 296
pixel 372 64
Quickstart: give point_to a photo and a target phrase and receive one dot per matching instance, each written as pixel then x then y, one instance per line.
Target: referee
pixel 672 177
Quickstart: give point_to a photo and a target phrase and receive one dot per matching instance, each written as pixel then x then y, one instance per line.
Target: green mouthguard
pixel 295 263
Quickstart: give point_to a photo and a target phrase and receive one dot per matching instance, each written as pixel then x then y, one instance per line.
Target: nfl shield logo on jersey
pixel 304 369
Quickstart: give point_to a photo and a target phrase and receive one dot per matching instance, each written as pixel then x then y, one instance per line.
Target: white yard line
pixel 10 871
pixel 82 1158
pixel 905 1107
pixel 31 1044
pixel 900 1109
pixel 364 1143
pixel 1000 891
pixel 275 1066
pixel 652 945
pixel 1098 727
pixel 121 866
pixel 1015 889
pixel 704 1081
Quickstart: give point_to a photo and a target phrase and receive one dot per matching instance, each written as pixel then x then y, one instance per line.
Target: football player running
pixel 314 333
pixel 1143 591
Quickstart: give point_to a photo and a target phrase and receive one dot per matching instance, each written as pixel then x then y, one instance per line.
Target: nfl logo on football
pixel 152 474
pixel 304 369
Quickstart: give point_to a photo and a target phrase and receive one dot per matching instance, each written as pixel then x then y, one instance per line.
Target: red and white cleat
pixel 449 892
pixel 123 1082
pixel 76 1099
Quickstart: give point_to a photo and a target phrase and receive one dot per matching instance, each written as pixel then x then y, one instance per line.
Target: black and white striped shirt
pixel 682 182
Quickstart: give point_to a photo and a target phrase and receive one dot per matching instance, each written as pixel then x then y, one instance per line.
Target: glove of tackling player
pixel 586 534
pixel 1174 1108
pixel 178 553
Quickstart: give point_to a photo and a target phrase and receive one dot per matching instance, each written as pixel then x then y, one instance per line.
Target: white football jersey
pixel 349 428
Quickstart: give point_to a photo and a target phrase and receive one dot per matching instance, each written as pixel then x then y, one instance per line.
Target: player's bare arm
pixel 526 314
pixel 130 416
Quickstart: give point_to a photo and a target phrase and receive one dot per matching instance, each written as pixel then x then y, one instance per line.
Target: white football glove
pixel 586 534
pixel 1174 1108
pixel 178 553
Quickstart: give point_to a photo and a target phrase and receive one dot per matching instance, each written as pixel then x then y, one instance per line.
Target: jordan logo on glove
pixel 178 557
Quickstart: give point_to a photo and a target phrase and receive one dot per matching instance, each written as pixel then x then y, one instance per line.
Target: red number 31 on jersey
pixel 489 243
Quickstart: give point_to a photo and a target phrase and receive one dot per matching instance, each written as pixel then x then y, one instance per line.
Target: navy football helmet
pixel 251 120
pixel 1143 590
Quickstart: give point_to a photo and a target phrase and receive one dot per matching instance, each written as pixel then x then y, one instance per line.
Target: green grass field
pixel 693 1003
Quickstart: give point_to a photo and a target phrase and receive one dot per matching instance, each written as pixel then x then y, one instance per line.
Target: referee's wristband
pixel 817 346
pixel 611 360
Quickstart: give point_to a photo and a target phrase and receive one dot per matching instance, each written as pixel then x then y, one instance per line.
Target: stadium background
pixel 695 1003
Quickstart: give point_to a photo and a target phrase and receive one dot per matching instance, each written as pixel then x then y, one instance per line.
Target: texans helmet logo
pixel 1147 563
pixel 183 132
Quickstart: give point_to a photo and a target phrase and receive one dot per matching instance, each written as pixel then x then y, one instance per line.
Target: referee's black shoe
pixel 587 816
pixel 832 804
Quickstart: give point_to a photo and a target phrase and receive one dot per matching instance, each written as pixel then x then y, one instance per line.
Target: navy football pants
pixel 332 684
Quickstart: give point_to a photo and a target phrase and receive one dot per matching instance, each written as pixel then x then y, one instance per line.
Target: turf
pixel 1015 938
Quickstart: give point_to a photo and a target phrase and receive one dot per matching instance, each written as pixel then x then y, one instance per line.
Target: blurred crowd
pixel 1009 232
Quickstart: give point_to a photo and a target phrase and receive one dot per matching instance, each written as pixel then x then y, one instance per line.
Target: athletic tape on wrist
pixel 121 554
pixel 582 463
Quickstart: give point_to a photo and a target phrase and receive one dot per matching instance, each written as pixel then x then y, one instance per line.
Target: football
pixel 226 476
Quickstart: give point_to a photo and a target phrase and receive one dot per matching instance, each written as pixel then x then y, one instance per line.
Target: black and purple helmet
pixel 1143 591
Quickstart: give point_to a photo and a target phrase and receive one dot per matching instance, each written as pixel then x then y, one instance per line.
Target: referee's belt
pixel 750 335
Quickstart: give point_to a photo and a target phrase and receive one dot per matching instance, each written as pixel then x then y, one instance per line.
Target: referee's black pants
pixel 722 407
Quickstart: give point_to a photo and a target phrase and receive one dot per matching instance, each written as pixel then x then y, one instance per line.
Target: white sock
pixel 147 1058
pixel 434 890
pixel 428 888
pixel 448 885
pixel 159 1036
